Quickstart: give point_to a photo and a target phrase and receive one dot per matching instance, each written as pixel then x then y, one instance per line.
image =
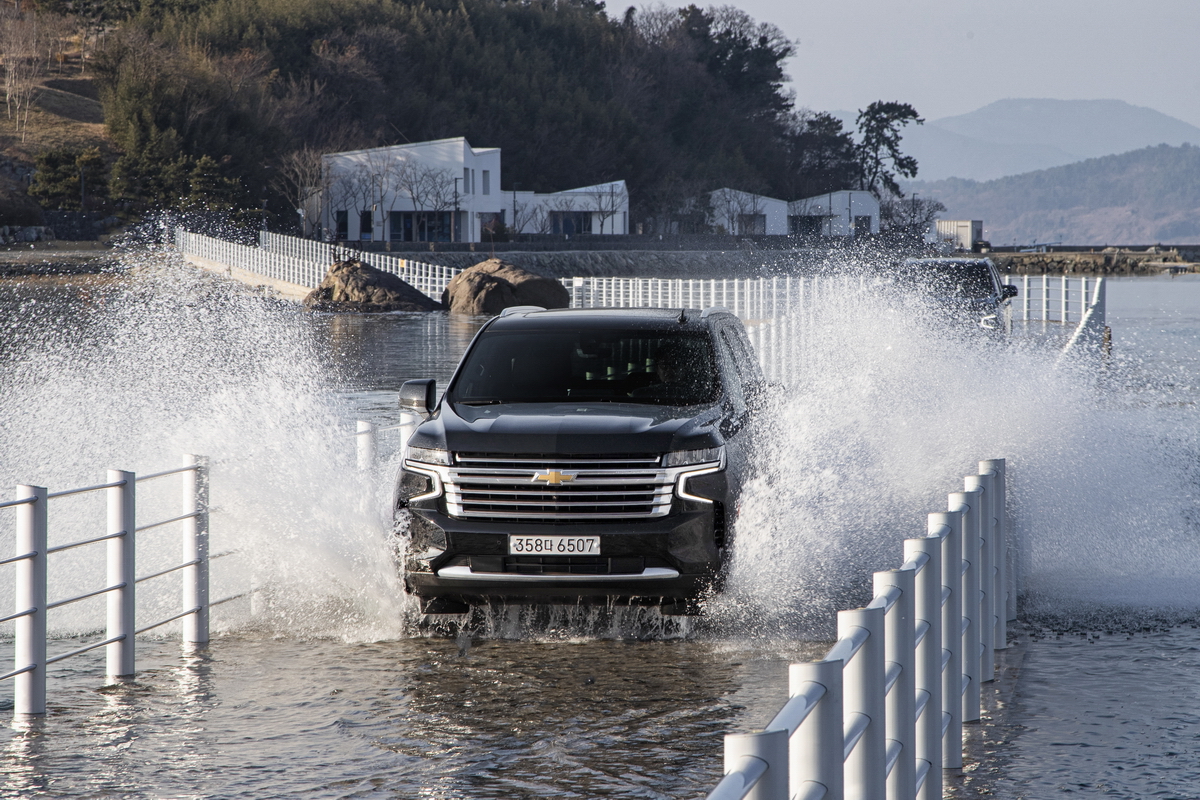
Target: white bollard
pixel 863 701
pixel 1006 596
pixel 195 548
pixel 987 573
pixel 927 678
pixel 970 504
pixel 122 572
pixel 29 688
pixel 817 752
pixel 948 527
pixel 365 440
pixel 900 657
pixel 770 747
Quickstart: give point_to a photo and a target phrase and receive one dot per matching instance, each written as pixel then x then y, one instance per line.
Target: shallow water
pixel 326 685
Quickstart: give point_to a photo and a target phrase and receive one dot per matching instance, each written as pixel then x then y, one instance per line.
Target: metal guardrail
pixel 30 657
pixel 881 715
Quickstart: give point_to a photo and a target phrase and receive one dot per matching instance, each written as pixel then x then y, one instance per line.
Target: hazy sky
pixel 949 57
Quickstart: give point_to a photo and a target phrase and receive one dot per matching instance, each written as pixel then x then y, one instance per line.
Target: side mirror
pixel 419 396
pixel 1007 291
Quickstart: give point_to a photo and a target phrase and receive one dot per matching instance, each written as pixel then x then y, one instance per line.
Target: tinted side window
pixel 732 367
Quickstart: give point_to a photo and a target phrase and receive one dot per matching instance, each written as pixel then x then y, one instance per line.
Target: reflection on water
pixel 258 717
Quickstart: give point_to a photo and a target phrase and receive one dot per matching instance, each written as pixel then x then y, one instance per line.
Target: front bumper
pixel 678 556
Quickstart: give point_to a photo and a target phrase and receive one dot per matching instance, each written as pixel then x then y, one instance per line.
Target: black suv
pixel 579 455
pixel 968 290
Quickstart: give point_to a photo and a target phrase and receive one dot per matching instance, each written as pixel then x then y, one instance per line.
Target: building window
pixel 749 224
pixel 487 182
pixel 472 181
pixel 466 180
pixel 569 222
pixel 806 225
pixel 366 225
pixel 342 221
pixel 420 226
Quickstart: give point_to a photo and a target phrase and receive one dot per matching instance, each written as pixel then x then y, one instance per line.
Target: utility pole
pixel 514 217
pixel 454 222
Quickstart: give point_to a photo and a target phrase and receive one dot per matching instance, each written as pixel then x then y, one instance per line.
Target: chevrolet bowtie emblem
pixel 554 477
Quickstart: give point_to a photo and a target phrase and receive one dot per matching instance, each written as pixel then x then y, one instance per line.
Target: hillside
pixel 1011 137
pixel 66 113
pixel 1140 197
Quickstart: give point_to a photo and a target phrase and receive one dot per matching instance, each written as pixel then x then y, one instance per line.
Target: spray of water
pixel 891 406
pixel 164 360
pixel 886 409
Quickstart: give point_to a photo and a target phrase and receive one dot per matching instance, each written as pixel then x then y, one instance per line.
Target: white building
pixel 603 208
pixel 962 234
pixel 448 191
pixel 845 213
pixel 743 213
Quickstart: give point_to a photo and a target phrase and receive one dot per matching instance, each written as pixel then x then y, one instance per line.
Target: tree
pixel 606 201
pixel 68 179
pixel 912 216
pixel 302 177
pixel 879 146
pixel 22 55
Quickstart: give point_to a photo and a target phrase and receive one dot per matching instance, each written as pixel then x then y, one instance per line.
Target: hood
pixel 569 429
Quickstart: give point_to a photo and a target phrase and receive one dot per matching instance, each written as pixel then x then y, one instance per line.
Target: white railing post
pixel 863 697
pixel 927 671
pixel 1005 552
pixel 29 688
pixel 995 467
pixel 770 747
pixel 987 573
pixel 970 504
pixel 365 437
pixel 817 752
pixel 195 548
pixel 948 527
pixel 900 657
pixel 122 573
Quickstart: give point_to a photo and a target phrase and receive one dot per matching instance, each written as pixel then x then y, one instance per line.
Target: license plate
pixel 553 545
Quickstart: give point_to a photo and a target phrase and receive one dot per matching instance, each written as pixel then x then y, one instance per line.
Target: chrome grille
pixel 603 487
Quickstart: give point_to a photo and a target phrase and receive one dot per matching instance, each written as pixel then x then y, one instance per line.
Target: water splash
pixel 164 360
pixel 884 413
pixel 890 409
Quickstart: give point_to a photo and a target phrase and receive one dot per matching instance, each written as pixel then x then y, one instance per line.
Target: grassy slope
pixel 66 113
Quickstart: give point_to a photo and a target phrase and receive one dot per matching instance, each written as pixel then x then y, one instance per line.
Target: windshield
pixel 572 366
pixel 970 279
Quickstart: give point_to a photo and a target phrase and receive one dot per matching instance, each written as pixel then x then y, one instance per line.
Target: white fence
pixel 881 715
pixel 30 564
pixel 429 279
pixel 775 308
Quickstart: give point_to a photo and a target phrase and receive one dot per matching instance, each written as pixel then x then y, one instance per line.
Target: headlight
pixel 991 322
pixel 428 455
pixel 684 458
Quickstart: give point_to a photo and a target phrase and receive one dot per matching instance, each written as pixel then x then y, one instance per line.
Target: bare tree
pixel 21 52
pixel 302 177
pixel 736 208
pixel 606 201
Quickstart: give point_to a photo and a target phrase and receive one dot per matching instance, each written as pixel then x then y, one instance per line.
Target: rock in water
pixel 351 285
pixel 491 286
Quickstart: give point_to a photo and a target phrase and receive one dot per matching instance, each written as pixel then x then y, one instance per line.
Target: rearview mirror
pixel 1007 291
pixel 419 396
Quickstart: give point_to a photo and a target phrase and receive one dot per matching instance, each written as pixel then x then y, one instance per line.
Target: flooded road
pixel 328 684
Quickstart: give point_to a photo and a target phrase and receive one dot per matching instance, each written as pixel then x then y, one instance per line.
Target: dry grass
pixel 63 116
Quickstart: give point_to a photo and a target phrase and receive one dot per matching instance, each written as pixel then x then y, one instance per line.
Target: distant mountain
pixel 1010 137
pixel 1146 196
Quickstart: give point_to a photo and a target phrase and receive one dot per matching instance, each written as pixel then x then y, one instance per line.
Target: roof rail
pixel 520 310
